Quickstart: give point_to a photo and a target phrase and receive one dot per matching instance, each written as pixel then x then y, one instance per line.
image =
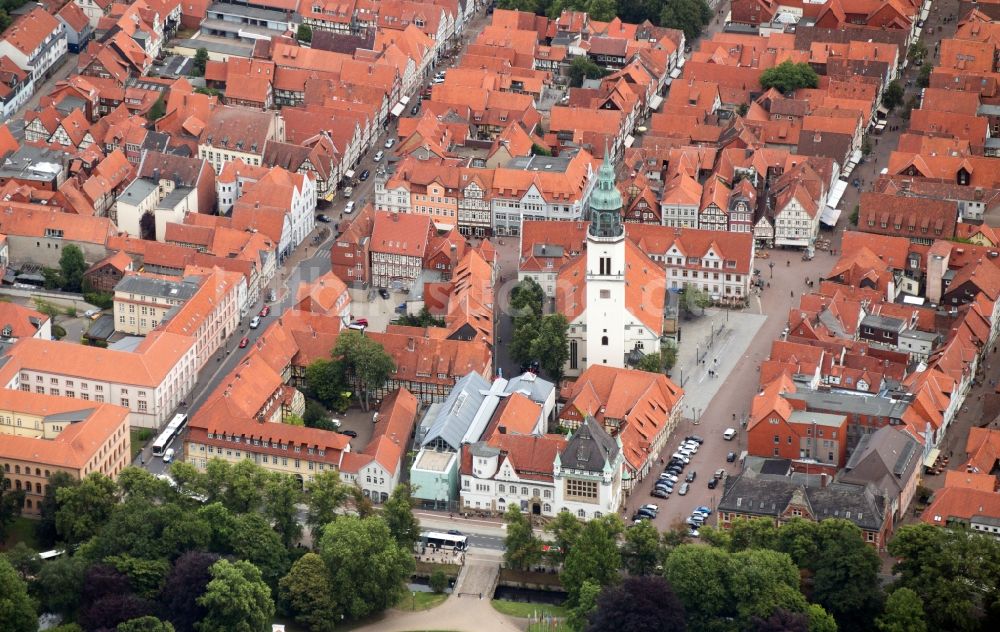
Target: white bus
pixel 169 433
pixel 438 540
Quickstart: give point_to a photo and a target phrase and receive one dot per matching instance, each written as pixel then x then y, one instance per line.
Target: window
pixel 586 490
pixel 604 341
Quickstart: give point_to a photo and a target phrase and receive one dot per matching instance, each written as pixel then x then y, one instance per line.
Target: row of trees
pixel 149 550
pixel 808 576
pixel 689 16
pixel 537 337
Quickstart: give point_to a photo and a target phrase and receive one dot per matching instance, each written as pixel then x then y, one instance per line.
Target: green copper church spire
pixel 606 203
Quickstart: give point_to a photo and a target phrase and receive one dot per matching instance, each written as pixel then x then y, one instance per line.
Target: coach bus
pixel 169 433
pixel 438 540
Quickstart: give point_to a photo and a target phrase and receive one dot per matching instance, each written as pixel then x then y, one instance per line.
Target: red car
pixel 361 321
pixel 244 342
pixel 265 311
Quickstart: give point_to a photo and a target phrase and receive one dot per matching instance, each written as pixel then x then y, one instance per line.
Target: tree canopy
pixel 636 605
pixel 365 362
pixel 71 268
pixel 236 599
pixel 17 610
pixel 690 16
pixel 522 548
pixel 788 77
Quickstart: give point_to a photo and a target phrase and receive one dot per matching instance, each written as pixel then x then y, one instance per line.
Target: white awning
pixel 676 72
pixel 405 100
pixel 916 33
pixel 398 109
pixel 836 193
pixel 913 300
pixel 681 62
pixel 655 102
pixel 830 216
pixel 629 140
pixel 443 227
pixel 668 81
pixel 349 173
pixel 856 156
pixel 931 457
pixel 924 13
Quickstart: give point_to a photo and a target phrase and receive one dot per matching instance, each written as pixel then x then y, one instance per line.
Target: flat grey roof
pixel 820 419
pixel 234 47
pixel 539 163
pixel 139 190
pixel 250 12
pixel 883 322
pixel 176 290
pixel 929 336
pixel 849 403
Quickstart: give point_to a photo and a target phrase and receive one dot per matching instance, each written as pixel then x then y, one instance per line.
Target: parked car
pixel 713 483
pixel 384 293
pixel 389 142
pixel 668 477
pixel 349 433
pixel 684 489
pixel 693 533
pixel 255 322
pixel 666 489
pixel 364 175
pixel 361 321
pixel 681 457
pixel 674 469
pixel 322 217
pixel 705 510
pixel 378 156
pixel 349 208
pixel 651 507
pixel 645 513
pixel 720 473
pixel 413 111
pixel 264 311
pixel 691 476
pixel 731 457
pixel 659 493
pixel 244 342
pixel 694 438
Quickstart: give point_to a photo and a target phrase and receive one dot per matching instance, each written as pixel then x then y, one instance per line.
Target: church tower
pixel 606 310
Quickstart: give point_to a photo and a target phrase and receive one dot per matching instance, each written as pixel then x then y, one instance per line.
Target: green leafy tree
pixel 788 77
pixel 602 10
pixel 236 600
pixel 924 75
pixel 659 361
pixel 306 594
pixel 540 150
pixel 253 539
pixel 72 266
pixel 565 529
pixel 917 52
pixel 145 576
pixel 157 110
pixel 325 494
pixel 551 345
pixel 281 495
pixel 694 298
pixel 530 6
pixel 398 515
pixel 145 624
pixel 892 96
pixel 820 620
pixel 316 416
pixel 583 68
pixel 240 486
pixel 304 33
pixel 366 361
pixel 325 380
pixel 527 298
pixel 845 572
pixel 586 604
pixel 24 560
pixel 594 557
pixel 523 338
pixel 11 502
pixel 904 612
pixel 699 576
pixel 200 60
pixel 59 585
pixel 762 581
pixel 423 319
pixel 367 566
pixel 521 547
pixel 642 550
pixel 85 508
pixel 17 610
pixel 438 581
pixel 690 16
pixel 137 483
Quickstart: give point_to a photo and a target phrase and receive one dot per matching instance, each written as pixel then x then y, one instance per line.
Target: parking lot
pixel 378 311
pixel 360 422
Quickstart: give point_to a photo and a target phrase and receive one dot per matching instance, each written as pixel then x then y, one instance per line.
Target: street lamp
pixel 770 264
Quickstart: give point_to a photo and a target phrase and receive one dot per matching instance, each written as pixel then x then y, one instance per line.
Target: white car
pixel 652 507
pixel 683 458
pixel 378 156
pixel 691 447
pixel 389 143
pixel 668 477
pixel 255 322
pixel 168 456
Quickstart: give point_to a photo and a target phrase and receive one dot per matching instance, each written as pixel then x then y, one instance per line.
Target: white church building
pixel 612 294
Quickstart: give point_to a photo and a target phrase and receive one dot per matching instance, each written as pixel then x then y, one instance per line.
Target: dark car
pixel 691 476
pixel 713 483
pixel 675 470
pixel 363 176
pixel 659 493
pixel 244 342
pixel 694 438
pixel 384 293
pixel 415 109
pixel 323 218
pixel 349 433
pixel 454 532
pixel 731 457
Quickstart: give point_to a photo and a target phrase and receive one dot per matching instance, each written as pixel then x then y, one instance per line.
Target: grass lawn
pixel 138 438
pixel 421 601
pixel 23 530
pixel 525 609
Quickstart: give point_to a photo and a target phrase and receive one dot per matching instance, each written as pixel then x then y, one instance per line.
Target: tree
pixel 917 52
pixel 845 572
pixel 398 515
pixel 325 380
pixel 551 345
pixel 924 75
pixel 892 96
pixel 586 605
pixel 762 581
pixel 540 150
pixel 438 581
pixel 521 548
pixel 904 612
pixel 304 33
pixel 642 550
pixel 158 109
pixel 306 594
pixel 659 361
pixel 72 266
pixel 782 621
pixel 699 576
pixel 185 584
pixel 236 599
pixel 11 502
pixel 527 298
pixel 565 529
pixel 281 495
pixel 112 609
pixel 366 361
pixel 594 557
pixel 690 16
pixel 145 624
pixel 85 508
pixel 530 6
pixel 423 319
pixel 788 77
pixel 368 568
pixel 602 10
pixel 17 610
pixel 293 420
pixel 145 576
pixel 200 60
pixel 694 298
pixel 24 560
pixel 636 605
pixel 325 494
pixel 59 585
pixel 315 416
pixel 240 487
pixel 583 68
pixel 822 621
pixel 523 337
pixel 252 539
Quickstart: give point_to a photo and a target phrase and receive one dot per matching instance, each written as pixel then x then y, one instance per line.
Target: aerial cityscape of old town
pixel 500 315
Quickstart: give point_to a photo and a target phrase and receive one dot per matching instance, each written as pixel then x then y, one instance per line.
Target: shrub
pixel 58 332
pixel 438 581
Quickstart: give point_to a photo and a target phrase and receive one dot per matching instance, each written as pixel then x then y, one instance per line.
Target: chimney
pixel 410 345
pixel 502 429
pixel 824 479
